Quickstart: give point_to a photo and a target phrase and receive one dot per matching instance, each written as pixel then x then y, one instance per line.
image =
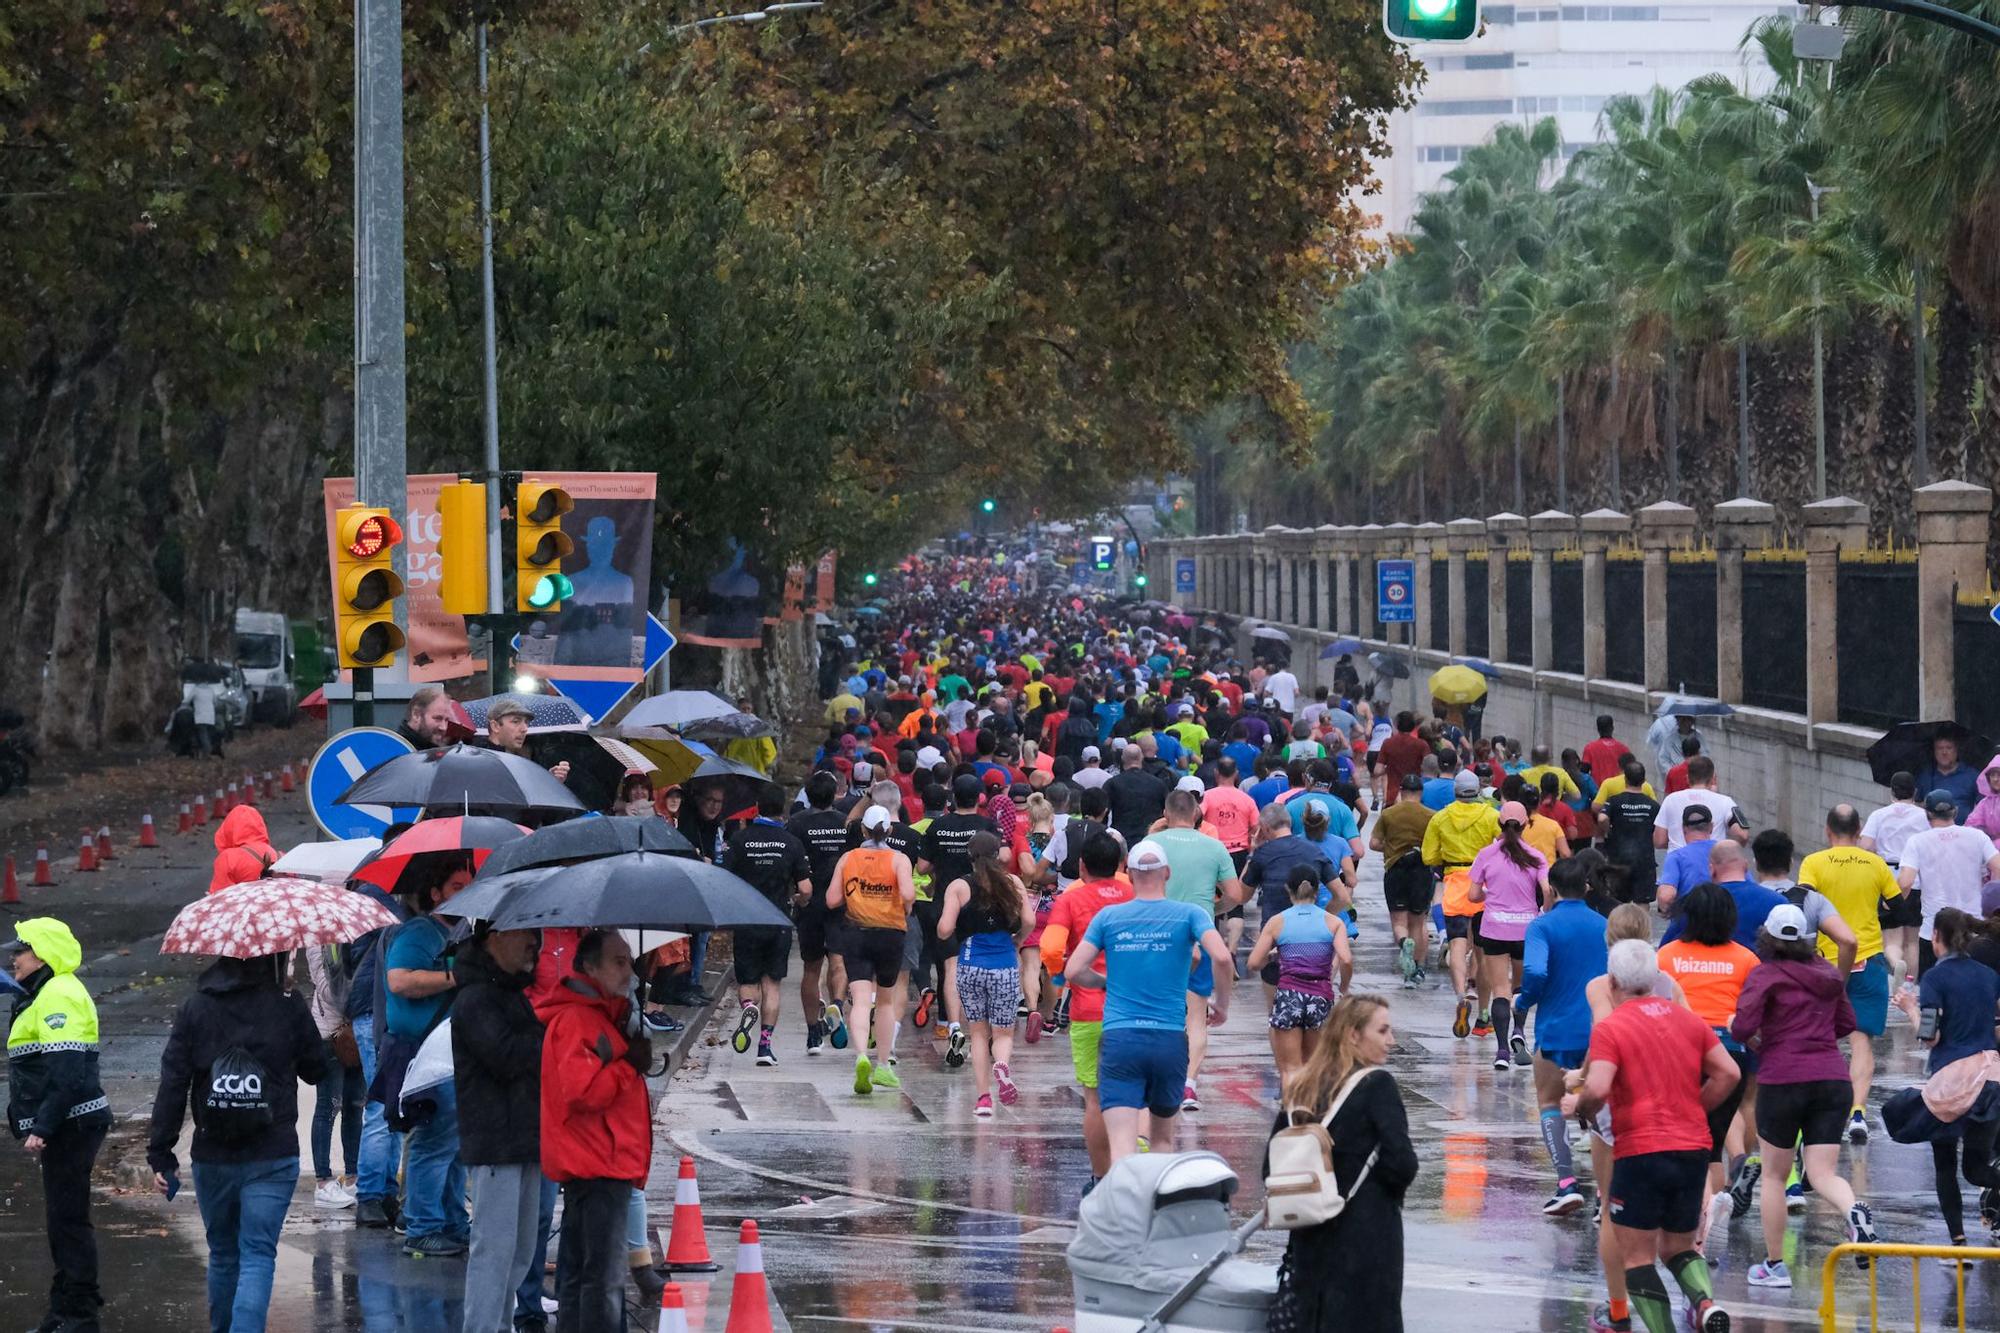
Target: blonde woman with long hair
pixel 1346 1276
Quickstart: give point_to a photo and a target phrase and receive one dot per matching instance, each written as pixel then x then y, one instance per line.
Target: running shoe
pixel 955 1049
pixel 1770 1273
pixel 332 1194
pixel 1406 962
pixel 1705 1316
pixel 922 1017
pixel 1951 1263
pixel 1020 1010
pixel 1500 1061
pixel 1422 976
pixel 765 1055
pixel 1989 1208
pixel 437 1245
pixel 1795 1198
pixel 836 1025
pixel 1519 1046
pixel 1857 1127
pixel 1567 1199
pixel 1409 981
pixel 864 1070
pixel 745 1025
pixel 885 1077
pixel 1601 1320
pixel 1189 1101
pixel 1035 1025
pixel 1062 1013
pixel 1003 1079
pixel 1861 1230
pixel 659 1020
pixel 1743 1189
pixel 1143 1144
pixel 1483 1025
pixel 983 1108
pixel 1461 1022
pixel 815 1038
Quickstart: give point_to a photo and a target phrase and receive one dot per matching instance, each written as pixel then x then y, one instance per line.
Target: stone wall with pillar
pixel 1428 548
pixel 1504 532
pixel 1663 527
pixel 1550 531
pixel 1741 525
pixel 1600 530
pixel 1461 537
pixel 1951 554
pixel 1832 526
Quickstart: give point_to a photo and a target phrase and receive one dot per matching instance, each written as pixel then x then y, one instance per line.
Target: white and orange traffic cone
pixel 231 798
pixel 248 788
pixel 10 889
pixel 749 1297
pixel 104 849
pixel 86 853
pixel 186 823
pixel 687 1245
pixel 200 810
pixel 220 804
pixel 673 1310
pixel 147 836
pixel 285 780
pixel 44 872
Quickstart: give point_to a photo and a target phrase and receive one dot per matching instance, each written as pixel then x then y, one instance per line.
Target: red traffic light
pixel 367 538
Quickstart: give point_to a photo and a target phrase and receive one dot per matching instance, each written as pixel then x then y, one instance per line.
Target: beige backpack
pixel 1300 1189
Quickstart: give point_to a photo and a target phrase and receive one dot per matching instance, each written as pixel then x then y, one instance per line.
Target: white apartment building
pixel 1561 60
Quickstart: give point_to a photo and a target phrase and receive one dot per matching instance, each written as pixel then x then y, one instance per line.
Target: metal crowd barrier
pixel 1965 1255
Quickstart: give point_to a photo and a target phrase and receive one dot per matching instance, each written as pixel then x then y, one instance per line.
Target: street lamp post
pixel 1819 362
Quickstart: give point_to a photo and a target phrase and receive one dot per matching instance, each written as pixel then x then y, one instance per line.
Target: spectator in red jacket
pixel 243 850
pixel 596 1127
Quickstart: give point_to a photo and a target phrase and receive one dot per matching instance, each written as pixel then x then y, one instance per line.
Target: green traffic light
pixel 550 590
pixel 1432 10
pixel 1431 20
pixel 986 505
pixel 1139 580
pixel 869 578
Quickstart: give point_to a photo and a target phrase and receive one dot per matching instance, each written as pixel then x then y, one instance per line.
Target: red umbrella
pixel 475 834
pixel 314 704
pixel 267 916
pixel 459 726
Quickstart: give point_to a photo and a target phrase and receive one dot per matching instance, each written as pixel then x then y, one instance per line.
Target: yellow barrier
pixel 1968 1254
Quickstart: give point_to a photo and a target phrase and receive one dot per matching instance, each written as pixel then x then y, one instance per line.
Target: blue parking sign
pixel 1395 591
pixel 1184 576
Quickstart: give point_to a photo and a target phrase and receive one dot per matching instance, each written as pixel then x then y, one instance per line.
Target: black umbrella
pixel 633 891
pixel 733 727
pixel 576 840
pixel 740 783
pixel 467 779
pixel 598 765
pixel 1906 748
pixel 1389 666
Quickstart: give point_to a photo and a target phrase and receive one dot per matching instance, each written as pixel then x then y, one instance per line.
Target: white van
pixel 264 651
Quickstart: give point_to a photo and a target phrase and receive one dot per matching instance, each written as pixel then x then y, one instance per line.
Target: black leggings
pixel 1980 1170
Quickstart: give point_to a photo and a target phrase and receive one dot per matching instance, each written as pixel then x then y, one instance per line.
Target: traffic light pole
pixel 501 623
pixel 380 395
pixel 364 696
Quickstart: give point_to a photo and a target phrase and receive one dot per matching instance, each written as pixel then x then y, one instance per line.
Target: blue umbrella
pixel 1692 705
pixel 544 710
pixel 1339 648
pixel 867 610
pixel 1481 665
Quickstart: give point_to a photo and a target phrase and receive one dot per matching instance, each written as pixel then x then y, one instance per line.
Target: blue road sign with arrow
pixel 334 769
pixel 599 697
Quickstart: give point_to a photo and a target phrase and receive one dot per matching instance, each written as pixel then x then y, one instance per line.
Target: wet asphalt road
pixel 904 1212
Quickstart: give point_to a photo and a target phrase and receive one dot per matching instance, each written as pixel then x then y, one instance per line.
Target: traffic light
pixel 1430 20
pixel 462 586
pixel 365 587
pixel 539 546
pixel 869 579
pixel 986 506
pixel 1138 580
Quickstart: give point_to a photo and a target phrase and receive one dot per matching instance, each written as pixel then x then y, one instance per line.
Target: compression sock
pixel 1555 1137
pixel 1503 1023
pixel 1620 1309
pixel 1649 1299
pixel 1691 1271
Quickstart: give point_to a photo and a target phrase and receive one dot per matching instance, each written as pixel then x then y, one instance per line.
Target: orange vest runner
pixel 869 887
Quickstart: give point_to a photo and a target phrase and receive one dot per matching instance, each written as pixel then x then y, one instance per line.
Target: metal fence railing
pixel 1876 633
pixel 1774 633
pixel 1966 1255
pixel 1625 618
pixel 1691 622
pixel 1439 611
pixel 1566 612
pixel 1475 607
pixel 1520 644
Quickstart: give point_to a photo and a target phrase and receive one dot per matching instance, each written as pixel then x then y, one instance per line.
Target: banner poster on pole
pixel 726 607
pixel 600 632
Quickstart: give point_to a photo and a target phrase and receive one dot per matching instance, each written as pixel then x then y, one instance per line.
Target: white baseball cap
pixel 1191 783
pixel 929 757
pixel 1090 752
pixel 1147 855
pixel 875 817
pixel 863 771
pixel 1787 922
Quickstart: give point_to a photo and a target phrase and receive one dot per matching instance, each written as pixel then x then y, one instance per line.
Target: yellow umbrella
pixel 673 760
pixel 1458 685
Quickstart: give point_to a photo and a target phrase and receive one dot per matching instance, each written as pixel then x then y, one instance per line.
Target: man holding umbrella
pixel 57 1107
pixel 507 723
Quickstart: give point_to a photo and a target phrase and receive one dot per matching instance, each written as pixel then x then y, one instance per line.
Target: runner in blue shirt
pixel 1148 946
pixel 1563 953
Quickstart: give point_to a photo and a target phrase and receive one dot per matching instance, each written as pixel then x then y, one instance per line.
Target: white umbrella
pixel 329 862
pixel 678 708
pixel 431 1066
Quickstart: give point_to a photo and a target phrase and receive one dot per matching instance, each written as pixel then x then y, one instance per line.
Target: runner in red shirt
pixel 1402 753
pixel 1661 1070
pixel 1604 754
pixel 1070 917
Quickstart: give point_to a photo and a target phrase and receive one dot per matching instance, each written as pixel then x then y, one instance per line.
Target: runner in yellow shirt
pixel 1455 835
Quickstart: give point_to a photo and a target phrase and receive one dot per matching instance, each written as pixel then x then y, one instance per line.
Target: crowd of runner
pixel 1037 814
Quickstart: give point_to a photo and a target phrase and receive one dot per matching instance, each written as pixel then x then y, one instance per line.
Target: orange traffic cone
pixel 104 852
pixel 86 854
pixel 285 780
pixel 10 891
pixel 673 1311
pixel 147 837
pixel 687 1246
pixel 269 790
pixel 44 873
pixel 231 798
pixel 749 1298
pixel 248 787
pixel 200 810
pixel 186 824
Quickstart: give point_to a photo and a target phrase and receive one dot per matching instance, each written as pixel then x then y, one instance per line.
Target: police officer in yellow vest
pixel 57 1108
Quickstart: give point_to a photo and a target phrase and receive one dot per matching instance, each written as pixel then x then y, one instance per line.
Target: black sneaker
pixel 372 1213
pixel 1567 1199
pixel 440 1245
pixel 1743 1189
pixel 765 1055
pixel 815 1038
pixel 1519 1046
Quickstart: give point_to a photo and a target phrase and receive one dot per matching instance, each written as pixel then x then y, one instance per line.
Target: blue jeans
pixel 528 1296
pixel 434 1179
pixel 242 1209
pixel 697 958
pixel 340 1093
pixel 381 1148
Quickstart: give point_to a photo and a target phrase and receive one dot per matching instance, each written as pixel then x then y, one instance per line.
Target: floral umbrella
pixel 269 916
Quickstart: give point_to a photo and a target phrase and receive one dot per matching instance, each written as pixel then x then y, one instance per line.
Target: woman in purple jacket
pixel 1794 1009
